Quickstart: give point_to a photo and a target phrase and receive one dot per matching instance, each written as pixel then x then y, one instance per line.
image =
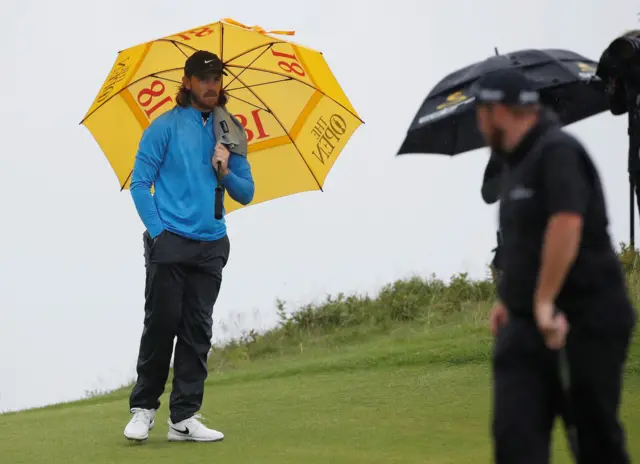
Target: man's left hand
pixel 221 154
pixel 554 327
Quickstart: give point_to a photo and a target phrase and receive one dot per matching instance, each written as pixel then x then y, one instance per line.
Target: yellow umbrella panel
pixel 296 115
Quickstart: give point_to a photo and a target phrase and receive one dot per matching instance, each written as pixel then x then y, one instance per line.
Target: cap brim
pixel 208 72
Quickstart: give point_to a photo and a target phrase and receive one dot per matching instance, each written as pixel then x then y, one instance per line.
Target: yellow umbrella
pixel 296 115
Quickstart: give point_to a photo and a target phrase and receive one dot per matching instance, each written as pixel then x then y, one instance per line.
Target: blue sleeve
pixel 239 181
pixel 149 157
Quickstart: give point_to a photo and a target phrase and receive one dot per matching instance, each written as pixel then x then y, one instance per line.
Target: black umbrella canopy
pixel 446 121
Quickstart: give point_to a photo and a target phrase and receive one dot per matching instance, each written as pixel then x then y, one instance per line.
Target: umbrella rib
pixel 286 132
pixel 300 81
pixel 179 49
pixel 247 67
pixel 222 43
pixel 175 42
pixel 259 85
pixel 246 52
pixel 154 74
pixel 126 180
pixel 165 79
pixel 251 104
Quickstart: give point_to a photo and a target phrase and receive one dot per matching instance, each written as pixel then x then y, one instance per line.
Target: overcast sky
pixel 71 264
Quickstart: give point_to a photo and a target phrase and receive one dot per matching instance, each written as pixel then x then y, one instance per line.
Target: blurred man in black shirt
pixel 561 284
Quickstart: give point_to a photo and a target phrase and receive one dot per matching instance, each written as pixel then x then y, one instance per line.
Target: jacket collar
pixel 196 115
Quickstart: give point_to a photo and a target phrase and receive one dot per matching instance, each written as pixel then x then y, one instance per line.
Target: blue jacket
pixel 174 155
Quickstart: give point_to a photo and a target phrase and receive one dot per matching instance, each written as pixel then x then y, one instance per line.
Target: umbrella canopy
pixel 296 115
pixel 446 121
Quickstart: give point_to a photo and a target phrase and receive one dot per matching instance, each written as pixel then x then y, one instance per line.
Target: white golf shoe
pixel 142 421
pixel 192 430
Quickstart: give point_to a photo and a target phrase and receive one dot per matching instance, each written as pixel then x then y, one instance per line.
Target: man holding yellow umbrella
pixel 186 248
pixel 278 120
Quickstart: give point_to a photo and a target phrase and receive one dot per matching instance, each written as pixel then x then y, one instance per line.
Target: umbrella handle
pixel 218 203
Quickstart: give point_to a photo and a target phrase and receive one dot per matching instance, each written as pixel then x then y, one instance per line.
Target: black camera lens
pixel 625 48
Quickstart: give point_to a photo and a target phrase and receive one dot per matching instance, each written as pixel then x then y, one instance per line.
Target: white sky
pixel 71 264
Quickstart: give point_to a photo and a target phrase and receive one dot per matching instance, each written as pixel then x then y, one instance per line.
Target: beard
pixel 496 141
pixel 201 104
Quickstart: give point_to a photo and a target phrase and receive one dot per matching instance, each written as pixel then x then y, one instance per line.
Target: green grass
pixel 400 378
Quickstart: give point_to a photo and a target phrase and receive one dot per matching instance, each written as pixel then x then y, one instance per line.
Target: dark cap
pixel 507 86
pixel 203 62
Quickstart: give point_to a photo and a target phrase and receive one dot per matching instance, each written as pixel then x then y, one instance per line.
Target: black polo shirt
pixel 550 172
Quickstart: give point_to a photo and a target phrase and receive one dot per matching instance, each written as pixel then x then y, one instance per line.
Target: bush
pixel 418 301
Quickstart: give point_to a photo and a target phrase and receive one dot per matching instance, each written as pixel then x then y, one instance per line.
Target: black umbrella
pixel 446 124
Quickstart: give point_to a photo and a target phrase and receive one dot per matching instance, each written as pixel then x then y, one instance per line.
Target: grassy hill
pixel 399 378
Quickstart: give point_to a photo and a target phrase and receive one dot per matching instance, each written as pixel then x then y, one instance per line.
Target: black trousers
pixel 527 394
pixel 183 278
